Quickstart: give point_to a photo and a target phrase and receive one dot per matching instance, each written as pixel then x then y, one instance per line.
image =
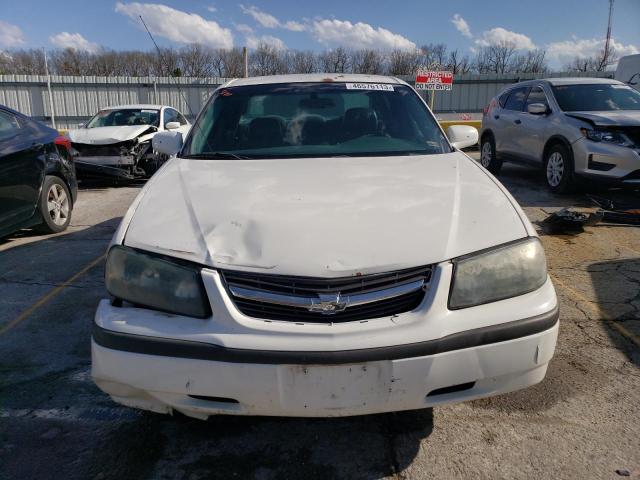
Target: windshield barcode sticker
pixel 370 86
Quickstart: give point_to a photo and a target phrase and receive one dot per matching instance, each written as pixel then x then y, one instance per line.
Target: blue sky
pixel 564 27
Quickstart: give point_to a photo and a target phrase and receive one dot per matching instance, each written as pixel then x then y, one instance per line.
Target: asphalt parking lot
pixel 580 422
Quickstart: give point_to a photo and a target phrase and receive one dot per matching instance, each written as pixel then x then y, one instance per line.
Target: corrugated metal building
pixel 76 99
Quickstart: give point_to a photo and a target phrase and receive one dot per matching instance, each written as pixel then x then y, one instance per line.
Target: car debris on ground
pixel 618 211
pixel 570 221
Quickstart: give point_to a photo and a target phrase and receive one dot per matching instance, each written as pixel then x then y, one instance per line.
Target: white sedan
pixel 319 247
pixel 116 141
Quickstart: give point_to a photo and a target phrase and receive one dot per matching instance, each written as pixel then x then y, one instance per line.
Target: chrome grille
pixel 331 300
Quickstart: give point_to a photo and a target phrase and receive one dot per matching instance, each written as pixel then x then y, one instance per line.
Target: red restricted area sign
pixel 434 80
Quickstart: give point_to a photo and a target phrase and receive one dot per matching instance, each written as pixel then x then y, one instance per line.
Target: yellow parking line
pixel 622 330
pixel 625 332
pixel 49 296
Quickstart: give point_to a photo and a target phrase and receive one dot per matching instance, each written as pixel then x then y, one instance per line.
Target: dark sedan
pixel 38 186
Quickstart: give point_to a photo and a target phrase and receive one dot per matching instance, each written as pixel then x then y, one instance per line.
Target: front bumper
pixel 234 364
pixel 200 388
pixel 606 162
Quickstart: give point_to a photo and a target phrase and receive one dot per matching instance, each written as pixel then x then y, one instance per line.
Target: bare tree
pixel 24 62
pixel 405 62
pixel 301 61
pixel 201 61
pixel 197 60
pixel 335 60
pixel 267 60
pixel 233 62
pixel 495 58
pixel 435 55
pixel 532 61
pixel 458 65
pixel 366 61
pixel 596 63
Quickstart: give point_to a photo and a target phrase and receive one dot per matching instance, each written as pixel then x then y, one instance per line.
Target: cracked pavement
pixel 580 422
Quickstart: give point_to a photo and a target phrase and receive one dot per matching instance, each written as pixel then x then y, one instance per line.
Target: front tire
pixel 488 157
pixel 55 205
pixel 558 169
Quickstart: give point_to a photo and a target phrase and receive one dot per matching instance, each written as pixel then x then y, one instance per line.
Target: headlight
pixel 155 282
pixel 608 136
pixel 503 272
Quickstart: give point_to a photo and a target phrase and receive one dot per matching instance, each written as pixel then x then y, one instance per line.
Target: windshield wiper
pixel 216 155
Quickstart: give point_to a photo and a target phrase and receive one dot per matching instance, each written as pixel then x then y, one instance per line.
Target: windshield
pixel 315 119
pixel 125 117
pixel 596 97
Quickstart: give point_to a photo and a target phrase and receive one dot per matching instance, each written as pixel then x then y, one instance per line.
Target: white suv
pixel 318 247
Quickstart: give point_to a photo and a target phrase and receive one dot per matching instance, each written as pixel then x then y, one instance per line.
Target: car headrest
pixel 359 122
pixel 266 132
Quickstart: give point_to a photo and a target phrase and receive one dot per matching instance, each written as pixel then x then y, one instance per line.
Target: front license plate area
pixel 334 386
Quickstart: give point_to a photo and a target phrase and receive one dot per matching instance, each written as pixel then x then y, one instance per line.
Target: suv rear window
pixel 502 99
pixel 516 99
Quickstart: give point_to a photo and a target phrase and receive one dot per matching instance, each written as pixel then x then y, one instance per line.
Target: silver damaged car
pixel 571 127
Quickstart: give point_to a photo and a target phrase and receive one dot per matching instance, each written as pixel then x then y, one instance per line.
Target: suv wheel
pixel 488 157
pixel 54 205
pixel 558 167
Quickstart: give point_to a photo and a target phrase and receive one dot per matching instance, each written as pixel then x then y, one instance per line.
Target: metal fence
pixel 76 99
pixel 471 93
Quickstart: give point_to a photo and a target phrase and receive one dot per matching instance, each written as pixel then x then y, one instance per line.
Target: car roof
pixel 142 106
pixel 580 81
pixel 567 81
pixel 315 77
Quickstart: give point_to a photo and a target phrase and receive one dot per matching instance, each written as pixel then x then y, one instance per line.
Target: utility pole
pixel 245 61
pixel 607 43
pixel 46 70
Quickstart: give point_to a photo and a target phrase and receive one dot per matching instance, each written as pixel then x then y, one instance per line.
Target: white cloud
pixel 563 52
pixel 461 25
pixel 11 36
pixel 212 9
pixel 254 42
pixel 269 21
pixel 74 41
pixel 295 26
pixel 177 25
pixel 263 18
pixel 499 35
pixel 358 35
pixel 244 28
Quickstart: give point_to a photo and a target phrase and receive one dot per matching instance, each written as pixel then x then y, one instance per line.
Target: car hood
pixel 108 135
pixel 620 118
pixel 323 217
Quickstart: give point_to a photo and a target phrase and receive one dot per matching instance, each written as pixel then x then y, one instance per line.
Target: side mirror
pixel 462 136
pixel 537 109
pixel 168 143
pixel 171 125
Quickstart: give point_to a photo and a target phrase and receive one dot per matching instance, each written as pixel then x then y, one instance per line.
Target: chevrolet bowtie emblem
pixel 329 304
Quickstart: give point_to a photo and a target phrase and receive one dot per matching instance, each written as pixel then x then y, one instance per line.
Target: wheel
pixel 558 167
pixel 488 157
pixel 54 205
